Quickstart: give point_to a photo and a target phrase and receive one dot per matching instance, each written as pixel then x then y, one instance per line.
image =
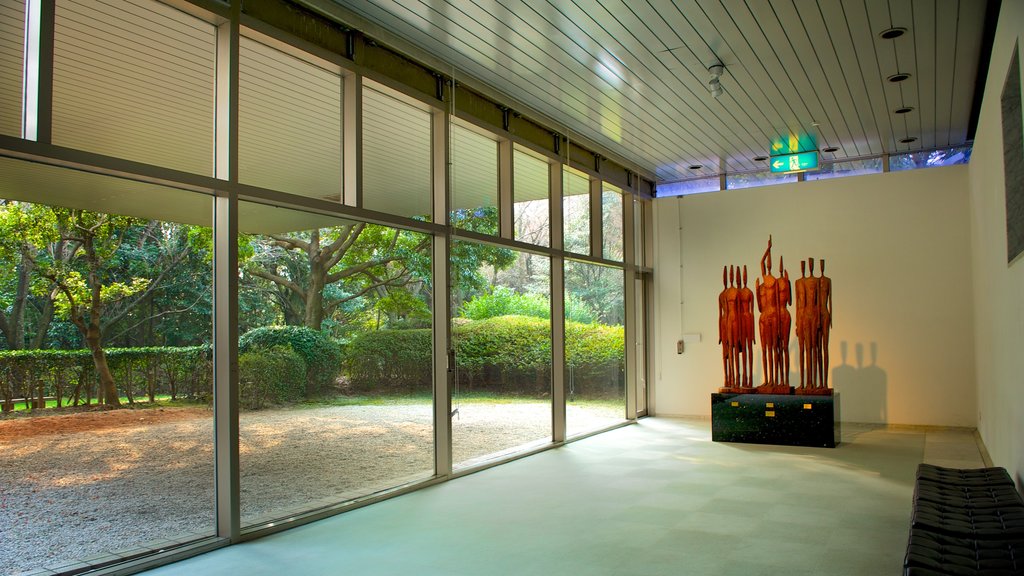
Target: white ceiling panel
pixel 632 76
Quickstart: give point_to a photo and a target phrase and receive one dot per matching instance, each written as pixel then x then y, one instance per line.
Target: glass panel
pixel 846 168
pixel 334 361
pixel 140 470
pixel 930 159
pixel 289 123
pixel 396 156
pixel 12 56
pixel 135 79
pixel 474 176
pixel 502 334
pixel 531 196
pixel 611 222
pixel 576 211
pixel 594 346
pixel 752 179
pixel 700 185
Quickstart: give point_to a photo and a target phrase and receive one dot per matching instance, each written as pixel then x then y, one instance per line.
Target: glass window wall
pixel 12 48
pixel 846 168
pixel 594 347
pixel 531 197
pixel 135 79
pixel 697 186
pixel 107 291
pixel 502 334
pixel 752 179
pixel 335 383
pixel 930 159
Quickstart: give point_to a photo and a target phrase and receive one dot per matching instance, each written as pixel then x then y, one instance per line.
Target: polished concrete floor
pixel 655 498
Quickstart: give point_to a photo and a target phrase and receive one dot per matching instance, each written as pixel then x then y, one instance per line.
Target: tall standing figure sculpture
pixel 801 322
pixel 785 297
pixel 767 305
pixel 732 320
pixel 746 339
pixel 812 327
pixel 825 308
pixel 723 326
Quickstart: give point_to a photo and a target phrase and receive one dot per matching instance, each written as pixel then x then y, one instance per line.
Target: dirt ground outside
pixel 84 485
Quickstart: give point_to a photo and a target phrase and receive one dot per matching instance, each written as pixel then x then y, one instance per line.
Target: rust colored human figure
pixel 746 340
pixel 812 328
pixel 723 326
pixel 767 305
pixel 825 307
pixel 801 311
pixel 732 320
pixel 785 321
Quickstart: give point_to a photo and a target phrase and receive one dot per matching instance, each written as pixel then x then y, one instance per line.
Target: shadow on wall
pixel 863 388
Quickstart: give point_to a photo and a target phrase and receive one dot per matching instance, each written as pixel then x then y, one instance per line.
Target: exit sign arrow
pixel 795 162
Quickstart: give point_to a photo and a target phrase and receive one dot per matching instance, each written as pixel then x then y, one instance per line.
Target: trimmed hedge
pixel 321 355
pixel 276 375
pixel 506 354
pixel 69 375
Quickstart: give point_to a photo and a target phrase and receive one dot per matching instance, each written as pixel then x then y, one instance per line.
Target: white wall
pixel 998 288
pixel 897 247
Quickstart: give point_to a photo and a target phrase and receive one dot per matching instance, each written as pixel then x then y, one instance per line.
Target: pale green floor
pixel 655 498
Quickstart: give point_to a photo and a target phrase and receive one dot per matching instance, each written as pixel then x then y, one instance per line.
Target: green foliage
pixel 175 371
pixel 390 361
pixel 272 375
pixel 320 354
pixel 503 301
pixel 507 354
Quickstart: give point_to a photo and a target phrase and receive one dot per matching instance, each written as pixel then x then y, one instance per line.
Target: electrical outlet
pixel 679 347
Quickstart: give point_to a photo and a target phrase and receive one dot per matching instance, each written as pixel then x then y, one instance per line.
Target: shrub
pixel 502 354
pixel 273 375
pixel 390 360
pixel 320 354
pixel 503 301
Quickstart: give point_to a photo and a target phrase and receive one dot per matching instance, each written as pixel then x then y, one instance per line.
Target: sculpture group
pixel 773 295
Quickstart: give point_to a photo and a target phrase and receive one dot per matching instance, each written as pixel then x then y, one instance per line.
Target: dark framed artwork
pixel 1013 159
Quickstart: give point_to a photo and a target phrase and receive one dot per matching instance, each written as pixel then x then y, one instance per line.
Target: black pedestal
pixel 775 419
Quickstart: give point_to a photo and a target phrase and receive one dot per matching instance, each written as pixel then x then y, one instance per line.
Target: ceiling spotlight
pixel 696 166
pixel 714 84
pixel 760 158
pixel 900 77
pixel 908 140
pixel 904 110
pixel 830 149
pixel 892 33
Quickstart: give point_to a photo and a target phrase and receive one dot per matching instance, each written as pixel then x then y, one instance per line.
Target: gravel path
pixel 82 485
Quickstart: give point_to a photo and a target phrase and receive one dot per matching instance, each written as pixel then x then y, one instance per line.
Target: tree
pixel 81 276
pixel 16 298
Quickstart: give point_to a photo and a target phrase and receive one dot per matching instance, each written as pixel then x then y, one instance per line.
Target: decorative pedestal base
pixel 728 390
pixel 814 391
pixel 793 420
pixel 766 389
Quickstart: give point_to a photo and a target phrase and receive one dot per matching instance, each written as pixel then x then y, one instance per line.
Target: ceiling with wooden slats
pixel 633 76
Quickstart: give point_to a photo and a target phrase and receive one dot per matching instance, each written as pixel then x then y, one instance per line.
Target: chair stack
pixel 965 523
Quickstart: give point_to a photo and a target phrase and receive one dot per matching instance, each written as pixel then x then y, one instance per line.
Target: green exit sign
pixel 795 162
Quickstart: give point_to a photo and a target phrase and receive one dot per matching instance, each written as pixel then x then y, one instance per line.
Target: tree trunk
pixel 107 392
pixel 315 298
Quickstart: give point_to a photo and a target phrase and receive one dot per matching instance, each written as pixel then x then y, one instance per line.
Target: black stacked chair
pixel 965 523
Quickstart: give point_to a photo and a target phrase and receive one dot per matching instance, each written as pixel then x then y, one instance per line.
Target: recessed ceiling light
pixel 908 139
pixel 893 33
pixel 900 77
pixel 760 158
pixel 830 149
pixel 904 109
pixel 696 166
